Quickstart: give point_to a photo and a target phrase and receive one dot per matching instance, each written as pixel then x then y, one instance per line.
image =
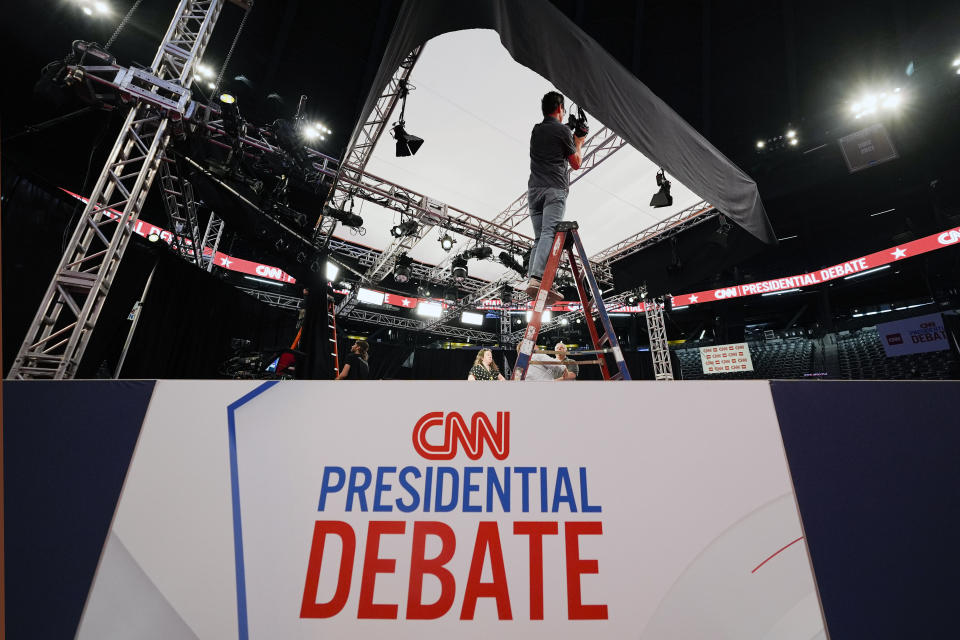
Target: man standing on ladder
pixel 552 147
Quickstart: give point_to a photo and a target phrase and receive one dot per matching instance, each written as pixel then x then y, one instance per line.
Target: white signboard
pixel 919 334
pixel 724 358
pixel 414 510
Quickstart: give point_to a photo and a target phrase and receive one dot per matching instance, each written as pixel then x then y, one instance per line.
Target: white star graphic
pixel 693 298
pixel 405 302
pixel 225 261
pixel 898 253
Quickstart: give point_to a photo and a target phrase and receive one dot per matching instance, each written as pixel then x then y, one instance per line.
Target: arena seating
pixel 860 354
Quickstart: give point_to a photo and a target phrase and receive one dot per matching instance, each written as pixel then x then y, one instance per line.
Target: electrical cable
pixel 122 24
pixel 233 45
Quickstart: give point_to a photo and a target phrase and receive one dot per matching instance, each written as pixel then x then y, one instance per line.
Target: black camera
pixel 578 123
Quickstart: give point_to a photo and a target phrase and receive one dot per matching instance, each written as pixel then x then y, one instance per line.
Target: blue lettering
pixel 584 501
pixel 428 488
pixel 381 487
pixel 563 491
pixel 470 487
pixel 450 472
pixel 525 473
pixel 502 490
pixel 360 490
pixel 325 486
pixel 415 497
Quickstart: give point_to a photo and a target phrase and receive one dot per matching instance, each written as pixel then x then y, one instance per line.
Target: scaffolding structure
pixel 657 331
pixel 161 106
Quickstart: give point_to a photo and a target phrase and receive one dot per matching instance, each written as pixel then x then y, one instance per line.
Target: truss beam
pixel 60 331
pixel 659 347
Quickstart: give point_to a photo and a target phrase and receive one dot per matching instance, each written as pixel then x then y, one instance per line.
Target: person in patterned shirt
pixel 484 368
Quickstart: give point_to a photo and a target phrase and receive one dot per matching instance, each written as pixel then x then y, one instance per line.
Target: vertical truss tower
pixel 61 330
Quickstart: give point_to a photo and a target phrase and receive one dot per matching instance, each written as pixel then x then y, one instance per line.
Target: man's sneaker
pixel 533 285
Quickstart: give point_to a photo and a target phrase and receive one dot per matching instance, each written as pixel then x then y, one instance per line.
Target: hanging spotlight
pixel 510 262
pixel 446 242
pixel 153 237
pixel 402 270
pixel 407 144
pixel 230 112
pixel 480 253
pixel 662 198
pixel 633 300
pixel 459 268
pixel 406 228
pixel 423 291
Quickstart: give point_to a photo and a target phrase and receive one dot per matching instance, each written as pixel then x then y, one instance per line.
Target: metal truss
pixel 181 210
pixel 385 262
pixel 359 153
pixel 659 348
pixel 274 299
pixel 61 329
pixel 691 216
pixel 611 303
pixel 384 320
pixel 488 291
pixel 211 241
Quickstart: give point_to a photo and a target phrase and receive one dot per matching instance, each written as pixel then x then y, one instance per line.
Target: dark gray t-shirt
pixel 551 143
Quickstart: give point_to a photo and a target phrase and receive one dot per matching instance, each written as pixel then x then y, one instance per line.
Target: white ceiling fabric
pixel 475 106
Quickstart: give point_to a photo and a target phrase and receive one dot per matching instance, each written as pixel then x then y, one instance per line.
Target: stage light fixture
pixel 102 7
pixel 791 134
pixel 633 300
pixel 564 321
pixel 505 294
pixel 430 309
pixel 793 142
pixel 88 11
pixel 662 198
pixel 405 228
pixel 153 237
pixel 446 242
pixel 479 253
pixel 761 144
pixel 403 270
pixel 459 268
pixel 346 218
pixel 424 292
pixel 407 144
pixel 331 271
pixel 226 98
pixel 511 263
pixel 204 70
pixel 469 317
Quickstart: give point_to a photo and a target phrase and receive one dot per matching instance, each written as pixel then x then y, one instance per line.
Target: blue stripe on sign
pixel 235 494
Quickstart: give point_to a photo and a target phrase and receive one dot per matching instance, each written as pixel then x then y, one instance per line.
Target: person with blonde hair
pixel 484 368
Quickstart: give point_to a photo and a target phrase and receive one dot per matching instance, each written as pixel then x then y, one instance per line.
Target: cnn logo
pixel 456 433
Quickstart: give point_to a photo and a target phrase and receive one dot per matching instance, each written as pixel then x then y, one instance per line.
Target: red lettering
pixel 576 567
pixel 374 564
pixel 310 608
pixel 420 565
pixel 536 531
pixel 488 538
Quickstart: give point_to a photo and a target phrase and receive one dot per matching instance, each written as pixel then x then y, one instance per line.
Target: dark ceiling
pixel 737 71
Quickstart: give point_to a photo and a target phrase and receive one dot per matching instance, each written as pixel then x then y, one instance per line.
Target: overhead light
pixel 761 144
pixel 407 144
pixel 772 293
pixel 88 11
pixel 273 282
pixel 564 321
pixel 510 262
pixel 211 86
pixel 793 142
pixel 459 268
pixel 369 296
pixel 446 242
pixel 403 270
pixel 544 317
pixel 468 317
pixel 956 63
pixel 633 299
pixel 430 309
pixel 424 291
pixel 226 98
pixel 204 70
pixel 331 271
pixel 863 273
pixel 791 133
pixel 478 253
pixel 310 133
pixel 102 7
pixel 662 198
pixel 405 228
pixel 153 237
